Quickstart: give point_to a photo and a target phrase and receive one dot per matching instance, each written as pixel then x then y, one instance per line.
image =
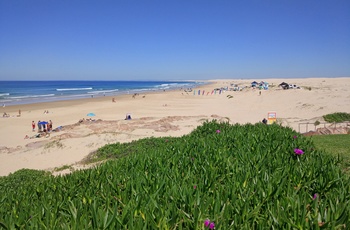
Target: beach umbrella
pixel 90 114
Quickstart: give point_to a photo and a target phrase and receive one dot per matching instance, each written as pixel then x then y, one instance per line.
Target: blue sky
pixel 173 39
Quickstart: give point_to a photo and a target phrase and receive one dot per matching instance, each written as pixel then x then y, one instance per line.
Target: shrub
pixel 317 123
pixel 337 117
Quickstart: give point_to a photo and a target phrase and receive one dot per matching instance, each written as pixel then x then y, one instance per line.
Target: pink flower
pixel 298 151
pixel 218 131
pixel 194 186
pixel 206 222
pixel 295 137
pixel 212 225
pixel 315 196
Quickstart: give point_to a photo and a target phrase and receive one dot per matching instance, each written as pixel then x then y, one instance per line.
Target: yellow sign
pixel 271 117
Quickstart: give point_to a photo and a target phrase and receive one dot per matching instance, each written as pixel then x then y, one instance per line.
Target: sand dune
pixel 172 113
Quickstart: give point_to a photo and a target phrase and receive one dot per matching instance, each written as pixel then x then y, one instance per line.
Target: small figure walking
pixel 260 93
pixel 39 126
pixel 33 126
pixel 50 125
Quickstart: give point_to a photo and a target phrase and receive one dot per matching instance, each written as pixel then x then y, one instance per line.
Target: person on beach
pixel 19 113
pixel 33 126
pixel 264 121
pixel 39 126
pixel 50 125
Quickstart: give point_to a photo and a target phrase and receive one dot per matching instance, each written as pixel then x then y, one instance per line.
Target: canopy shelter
pixel 128 116
pixel 254 84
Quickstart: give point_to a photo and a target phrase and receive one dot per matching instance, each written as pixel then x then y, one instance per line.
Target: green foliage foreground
pixel 236 176
pixel 336 145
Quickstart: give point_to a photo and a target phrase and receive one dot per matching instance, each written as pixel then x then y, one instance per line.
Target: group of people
pixel 88 119
pixel 38 135
pixel 8 115
pixel 44 129
pixel 43 126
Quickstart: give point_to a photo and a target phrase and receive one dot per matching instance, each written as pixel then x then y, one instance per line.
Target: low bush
pixel 337 117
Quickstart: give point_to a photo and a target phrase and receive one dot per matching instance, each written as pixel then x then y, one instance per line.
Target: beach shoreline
pixel 18 93
pixel 157 113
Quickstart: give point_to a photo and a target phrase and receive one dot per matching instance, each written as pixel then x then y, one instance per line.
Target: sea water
pixel 27 92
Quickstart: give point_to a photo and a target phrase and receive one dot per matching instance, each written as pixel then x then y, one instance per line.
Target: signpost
pixel 271 117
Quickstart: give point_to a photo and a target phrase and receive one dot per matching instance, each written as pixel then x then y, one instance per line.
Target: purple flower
pixel 218 131
pixel 298 151
pixel 295 137
pixel 206 222
pixel 315 196
pixel 194 186
pixel 212 225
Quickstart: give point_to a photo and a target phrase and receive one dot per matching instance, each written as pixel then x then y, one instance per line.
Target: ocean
pixel 28 92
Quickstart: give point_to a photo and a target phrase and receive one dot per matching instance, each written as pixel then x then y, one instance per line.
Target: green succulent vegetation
pixel 238 176
pixel 337 117
pixel 336 145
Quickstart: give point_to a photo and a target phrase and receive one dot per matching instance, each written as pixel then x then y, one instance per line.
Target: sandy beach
pixel 170 113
